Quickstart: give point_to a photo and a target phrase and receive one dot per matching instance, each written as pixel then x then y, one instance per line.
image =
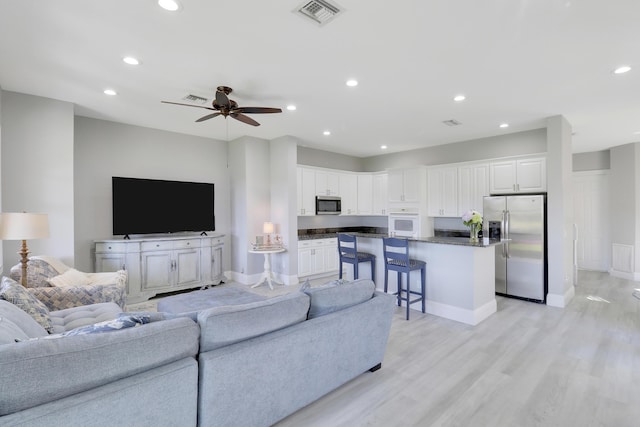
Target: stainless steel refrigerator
pixel 521 261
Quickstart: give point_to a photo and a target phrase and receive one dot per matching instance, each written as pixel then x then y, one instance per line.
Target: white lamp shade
pixel 23 226
pixel 267 228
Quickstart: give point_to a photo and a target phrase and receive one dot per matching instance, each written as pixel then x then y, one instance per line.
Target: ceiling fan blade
pixel 222 100
pixel 207 117
pixel 257 110
pixel 188 105
pixel 244 119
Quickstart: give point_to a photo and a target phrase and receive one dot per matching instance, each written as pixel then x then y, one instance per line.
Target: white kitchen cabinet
pixel 404 186
pixel 327 183
pixel 306 203
pixel 158 265
pixel 442 192
pixel 380 194
pixel 349 193
pixel 317 257
pixel 473 185
pixel 365 194
pixel 518 176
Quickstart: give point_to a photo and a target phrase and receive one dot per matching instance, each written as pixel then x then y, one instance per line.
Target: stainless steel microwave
pixel 328 205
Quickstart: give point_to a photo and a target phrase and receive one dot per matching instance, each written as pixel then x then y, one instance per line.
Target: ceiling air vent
pixel 452 122
pixel 195 99
pixel 320 11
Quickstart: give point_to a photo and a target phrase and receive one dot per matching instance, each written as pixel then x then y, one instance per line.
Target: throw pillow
pixel 71 277
pixel 329 298
pixel 19 296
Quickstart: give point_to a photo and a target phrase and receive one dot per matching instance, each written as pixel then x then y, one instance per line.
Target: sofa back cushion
pixel 225 325
pixel 333 297
pixel 15 324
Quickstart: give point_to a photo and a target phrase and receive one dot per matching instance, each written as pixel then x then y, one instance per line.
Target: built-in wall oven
pixel 328 205
pixel 404 224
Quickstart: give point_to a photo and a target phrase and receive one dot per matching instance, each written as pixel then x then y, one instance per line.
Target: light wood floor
pixel 527 365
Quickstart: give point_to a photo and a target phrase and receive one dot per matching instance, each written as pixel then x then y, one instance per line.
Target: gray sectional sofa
pixel 238 365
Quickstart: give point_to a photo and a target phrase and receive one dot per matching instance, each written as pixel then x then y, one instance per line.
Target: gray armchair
pixel 95 288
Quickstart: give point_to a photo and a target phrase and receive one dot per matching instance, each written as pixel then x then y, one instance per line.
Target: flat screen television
pixel 146 206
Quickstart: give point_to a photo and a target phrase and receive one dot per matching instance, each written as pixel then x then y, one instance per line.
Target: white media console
pixel 157 265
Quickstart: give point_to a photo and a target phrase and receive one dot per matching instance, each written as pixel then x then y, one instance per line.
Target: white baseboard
pixel 561 301
pixel 469 317
pixel 625 275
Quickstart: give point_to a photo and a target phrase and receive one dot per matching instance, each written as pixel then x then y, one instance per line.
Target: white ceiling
pixel 517 61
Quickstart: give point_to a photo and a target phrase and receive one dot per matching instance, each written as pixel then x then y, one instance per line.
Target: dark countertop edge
pixel 457 241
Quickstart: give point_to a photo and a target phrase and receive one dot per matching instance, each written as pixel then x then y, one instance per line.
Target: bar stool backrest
pixel 396 251
pixel 347 245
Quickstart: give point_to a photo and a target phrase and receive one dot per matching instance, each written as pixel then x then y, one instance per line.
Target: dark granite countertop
pixel 442 240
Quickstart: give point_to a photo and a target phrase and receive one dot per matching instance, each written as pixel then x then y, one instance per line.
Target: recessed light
pixel 170 5
pixel 291 107
pixel 621 70
pixel 459 98
pixel 130 60
pixel 326 133
pixel 504 125
pixel 383 147
pixel 352 83
pixel 110 92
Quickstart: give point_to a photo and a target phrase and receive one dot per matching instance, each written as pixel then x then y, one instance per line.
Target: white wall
pixel 37 170
pixel 559 212
pixel 1 256
pixel 327 159
pixel 595 160
pixel 512 144
pixel 104 149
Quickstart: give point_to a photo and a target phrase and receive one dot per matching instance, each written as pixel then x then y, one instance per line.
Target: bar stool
pixel 348 250
pixel 396 258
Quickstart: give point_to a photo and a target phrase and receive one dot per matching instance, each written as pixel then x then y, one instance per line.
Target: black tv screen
pixel 145 206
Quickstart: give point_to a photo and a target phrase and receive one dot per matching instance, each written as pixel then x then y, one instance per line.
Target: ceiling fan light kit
pixel 223 106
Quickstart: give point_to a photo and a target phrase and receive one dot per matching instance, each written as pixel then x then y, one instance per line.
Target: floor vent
pixel 452 122
pixel 195 99
pixel 320 11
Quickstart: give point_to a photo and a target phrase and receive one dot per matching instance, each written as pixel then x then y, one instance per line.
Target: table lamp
pixel 267 228
pixel 23 226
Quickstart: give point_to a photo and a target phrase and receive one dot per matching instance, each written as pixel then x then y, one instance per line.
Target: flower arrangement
pixel 473 220
pixel 471 217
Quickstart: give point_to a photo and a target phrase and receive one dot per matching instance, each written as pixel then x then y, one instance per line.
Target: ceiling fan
pixel 228 107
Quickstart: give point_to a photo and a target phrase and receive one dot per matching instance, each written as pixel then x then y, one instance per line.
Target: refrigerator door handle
pixel 506 227
pixel 502 234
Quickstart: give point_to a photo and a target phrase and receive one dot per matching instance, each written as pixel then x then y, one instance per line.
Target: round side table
pixel 267 275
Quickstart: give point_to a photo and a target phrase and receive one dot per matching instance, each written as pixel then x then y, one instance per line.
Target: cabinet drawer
pixel 305 243
pixel 184 244
pixel 157 246
pixel 217 241
pixel 111 247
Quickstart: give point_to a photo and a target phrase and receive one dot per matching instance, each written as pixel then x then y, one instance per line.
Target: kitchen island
pixel 460 275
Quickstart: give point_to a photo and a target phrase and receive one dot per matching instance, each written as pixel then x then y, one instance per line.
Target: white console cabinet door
pixel 157 269
pixel 186 267
pixel 442 196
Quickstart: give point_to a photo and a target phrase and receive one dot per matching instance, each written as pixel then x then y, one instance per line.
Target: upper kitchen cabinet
pixel 473 185
pixel 380 194
pixel 442 192
pixel 518 176
pixel 349 193
pixel 327 183
pixel 404 185
pixel 365 194
pixel 306 203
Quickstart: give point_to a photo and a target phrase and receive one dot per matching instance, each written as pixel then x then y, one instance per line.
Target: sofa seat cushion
pixel 15 324
pixel 225 325
pixel 75 317
pixel 18 295
pixel 333 297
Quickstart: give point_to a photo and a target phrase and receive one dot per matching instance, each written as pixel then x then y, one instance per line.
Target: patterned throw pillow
pixel 19 296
